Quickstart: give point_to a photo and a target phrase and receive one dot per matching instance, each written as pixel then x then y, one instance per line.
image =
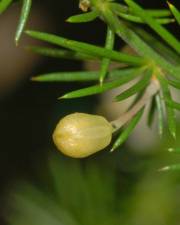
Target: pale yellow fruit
pixel 79 135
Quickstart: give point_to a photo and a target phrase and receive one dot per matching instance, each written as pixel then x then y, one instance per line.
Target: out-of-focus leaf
pixel 173 104
pixel 175 167
pixel 159 104
pixel 174 150
pixel 158 12
pixel 59 53
pixel 174 83
pixel 169 110
pixel 4 5
pixel 151 113
pixel 37 208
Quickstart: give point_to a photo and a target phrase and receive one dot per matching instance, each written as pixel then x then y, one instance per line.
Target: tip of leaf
pixel 169 4
pixel 16 42
pixel 112 149
pixel 174 135
pixel 101 81
pixel 62 97
pixel 34 79
pixel 166 168
pixel 68 20
pixel 28 32
pixel 171 150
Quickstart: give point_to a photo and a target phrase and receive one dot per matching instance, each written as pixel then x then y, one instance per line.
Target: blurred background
pixel 119 188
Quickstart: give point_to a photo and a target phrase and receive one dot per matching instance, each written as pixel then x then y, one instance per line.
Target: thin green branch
pixel 87 48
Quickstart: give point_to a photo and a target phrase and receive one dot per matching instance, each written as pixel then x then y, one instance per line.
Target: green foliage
pixel 175 12
pixel 159 57
pixel 104 87
pixel 85 48
pixel 83 18
pixel 75 196
pixel 92 193
pixel 87 75
pixel 4 4
pixel 110 38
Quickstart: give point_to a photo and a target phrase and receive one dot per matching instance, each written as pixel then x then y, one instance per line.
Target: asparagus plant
pixel 156 63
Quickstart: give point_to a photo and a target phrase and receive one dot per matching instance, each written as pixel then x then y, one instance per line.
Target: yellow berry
pixel 79 135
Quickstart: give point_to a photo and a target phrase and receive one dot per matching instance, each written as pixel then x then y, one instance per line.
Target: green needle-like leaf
pixel 97 89
pixel 173 104
pixel 105 61
pixel 83 18
pixel 138 44
pixel 87 48
pixel 174 150
pixel 163 33
pixel 59 53
pixel 159 105
pixel 175 12
pixel 140 85
pixel 169 110
pixel 151 112
pixel 158 46
pixel 23 19
pixel 119 8
pixel 82 75
pixel 128 130
pixel 137 19
pixel 4 5
pixel 158 12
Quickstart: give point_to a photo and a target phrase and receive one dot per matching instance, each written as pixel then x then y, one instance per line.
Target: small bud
pixel 84 5
pixel 79 135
